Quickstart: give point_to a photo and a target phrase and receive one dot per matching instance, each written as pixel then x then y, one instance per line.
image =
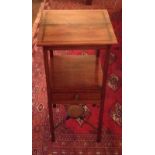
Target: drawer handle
pixel 77 97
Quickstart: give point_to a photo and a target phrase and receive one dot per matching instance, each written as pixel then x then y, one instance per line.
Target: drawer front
pixel 76 96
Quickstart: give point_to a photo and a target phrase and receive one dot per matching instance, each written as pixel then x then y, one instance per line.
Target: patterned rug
pixel 111 5
pixel 71 137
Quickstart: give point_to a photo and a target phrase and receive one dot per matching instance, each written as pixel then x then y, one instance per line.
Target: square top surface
pixel 75 28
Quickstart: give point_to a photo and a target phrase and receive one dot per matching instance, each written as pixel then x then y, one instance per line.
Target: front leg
pixel 49 97
pixel 51 62
pixel 103 93
pixel 97 53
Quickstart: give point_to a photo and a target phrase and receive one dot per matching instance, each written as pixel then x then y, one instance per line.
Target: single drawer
pixel 75 96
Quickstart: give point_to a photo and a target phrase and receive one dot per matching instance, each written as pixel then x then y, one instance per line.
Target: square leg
pixel 97 53
pixel 49 97
pixel 103 94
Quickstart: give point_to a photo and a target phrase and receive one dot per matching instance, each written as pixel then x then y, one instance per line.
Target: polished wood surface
pixel 79 102
pixel 49 92
pixel 76 74
pixel 72 96
pixel 76 79
pixel 75 28
pixel 103 93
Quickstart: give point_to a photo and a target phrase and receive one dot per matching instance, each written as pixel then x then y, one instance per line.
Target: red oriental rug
pixel 71 137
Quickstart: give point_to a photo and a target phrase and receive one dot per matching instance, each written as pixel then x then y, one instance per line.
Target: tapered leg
pixel 51 54
pixel 51 57
pixel 88 2
pixel 103 93
pixel 49 97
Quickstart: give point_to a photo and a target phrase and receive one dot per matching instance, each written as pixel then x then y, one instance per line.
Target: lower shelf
pixel 76 74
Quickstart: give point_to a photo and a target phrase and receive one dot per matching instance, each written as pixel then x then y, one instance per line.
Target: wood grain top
pixel 75 28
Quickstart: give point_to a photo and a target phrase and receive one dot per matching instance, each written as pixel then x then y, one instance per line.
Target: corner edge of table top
pixel 81 43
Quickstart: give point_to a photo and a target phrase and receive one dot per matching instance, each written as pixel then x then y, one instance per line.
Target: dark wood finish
pixel 72 96
pixel 97 53
pixel 64 29
pixel 76 79
pixel 49 93
pixel 89 2
pixel 64 102
pixel 103 93
pixel 51 53
pixel 51 63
